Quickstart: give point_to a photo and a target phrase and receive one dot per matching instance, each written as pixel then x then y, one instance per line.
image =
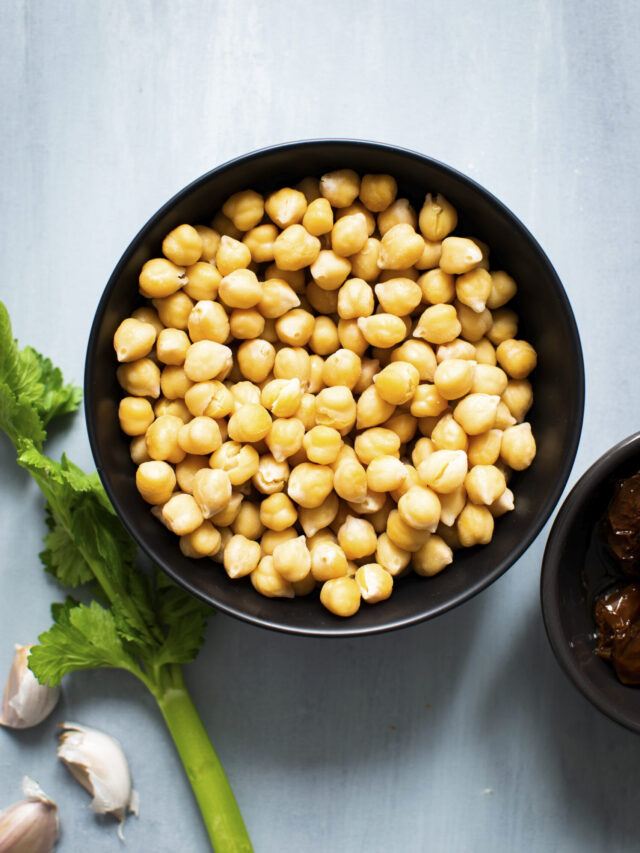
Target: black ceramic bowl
pixel 575 570
pixel 546 320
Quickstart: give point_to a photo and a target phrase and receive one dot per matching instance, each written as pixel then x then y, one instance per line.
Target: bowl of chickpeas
pixel 334 388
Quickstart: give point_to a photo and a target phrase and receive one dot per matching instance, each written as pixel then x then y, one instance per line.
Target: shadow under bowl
pixel 575 572
pixel 546 320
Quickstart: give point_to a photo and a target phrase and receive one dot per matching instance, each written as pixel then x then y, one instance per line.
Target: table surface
pixel 460 734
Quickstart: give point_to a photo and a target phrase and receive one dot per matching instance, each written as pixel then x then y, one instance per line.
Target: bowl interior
pixel 575 571
pixel 546 320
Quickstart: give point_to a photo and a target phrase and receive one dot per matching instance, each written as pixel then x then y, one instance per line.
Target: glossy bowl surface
pixel 546 320
pixel 574 551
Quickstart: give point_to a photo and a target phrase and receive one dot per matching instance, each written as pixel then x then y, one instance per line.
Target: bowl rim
pixel 343 630
pixel 552 613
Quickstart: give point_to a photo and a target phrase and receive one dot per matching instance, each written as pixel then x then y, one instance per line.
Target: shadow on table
pixel 585 762
pixel 300 703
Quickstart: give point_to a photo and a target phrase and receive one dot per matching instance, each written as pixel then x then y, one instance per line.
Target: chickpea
pixel 351 337
pixel 454 377
pixel 457 348
pixel 438 324
pixel 350 481
pixel 385 473
pixel 475 526
pixel 400 247
pixel 342 368
pixel 277 297
pixel 376 441
pixel 286 207
pixel 172 346
pixel 272 538
pixel 239 461
pixel 376 584
pixel 349 234
pixel 504 326
pixel 364 264
pixel 517 358
pixel 209 398
pixel 419 507
pixel 505 503
pixel 397 382
pixel 377 192
pixel 382 330
pixel 256 359
pixel 434 556
pixel 357 538
pixel 203 280
pixel 322 301
pixel 259 241
pixel 399 296
pixel 245 209
pixel 210 242
pixel 322 444
pixel 133 340
pixel 309 484
pixel 285 437
pixel 206 360
pixel 292 363
pixel 318 217
pixel 266 580
pixel 138 450
pixel 271 475
pixel 278 512
pixel 476 413
pixel 306 412
pixel 372 409
pixel 282 397
pixel 208 321
pixel 437 286
pixel 473 289
pixel 420 355
pixel 335 407
pixel 447 434
pixel 140 378
pixel 174 310
pixel 159 278
pixel 484 449
pixel 295 248
pixel 518 396
pixel 240 288
pixel 504 418
pixel 484 484
pixel 485 352
pixel 135 415
pixel 503 288
pixel 181 514
pixel 438 217
pixel 444 470
pixel 318 518
pixel 427 402
pixel 204 541
pixel 324 340
pixel 399 212
pixel 430 257
pixel 340 188
pixel 246 323
pixel 451 505
pixel 329 270
pixel 295 327
pixel 292 559
pixel 328 560
pixel 183 245
pixel 155 480
pixel 187 469
pixel 404 536
pixel 355 299
pixel 459 255
pixel 518 448
pixel 390 556
pixel 489 379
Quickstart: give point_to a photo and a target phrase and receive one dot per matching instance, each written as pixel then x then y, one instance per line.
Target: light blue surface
pixel 454 736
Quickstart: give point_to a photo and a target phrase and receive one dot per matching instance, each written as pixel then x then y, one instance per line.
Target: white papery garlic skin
pixel 97 761
pixel 25 702
pixel 30 826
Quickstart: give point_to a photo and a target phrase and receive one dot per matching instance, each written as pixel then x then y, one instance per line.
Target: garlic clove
pixel 30 826
pixel 25 702
pixel 97 761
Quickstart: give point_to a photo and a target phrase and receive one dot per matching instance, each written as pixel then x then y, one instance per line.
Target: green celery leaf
pixel 19 420
pixel 184 616
pixel 48 395
pixel 83 637
pixel 61 557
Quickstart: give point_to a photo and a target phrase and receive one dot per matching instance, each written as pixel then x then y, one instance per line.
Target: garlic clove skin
pixel 25 702
pixel 97 761
pixel 30 826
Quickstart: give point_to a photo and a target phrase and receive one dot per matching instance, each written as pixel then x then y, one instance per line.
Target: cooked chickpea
pixel 159 278
pixel 473 325
pixel 503 288
pixel 245 209
pixel 208 321
pixel 183 245
pixel 155 480
pixel 473 289
pixel 517 358
pixel 420 355
pixel 437 287
pixel 372 409
pixel 444 470
pixel 240 288
pixel 385 473
pixel 427 402
pixel 209 398
pixel 174 310
pixel 447 434
pixel 357 538
pixel 272 538
pixel 349 234
pixel 382 330
pixel 341 368
pixel 256 359
pixel 249 423
pixel 271 476
pixel 484 484
pixel 318 217
pixel 210 242
pixel 484 449
pixel 292 560
pixel 206 360
pixel 211 490
pixel 400 247
pixel 133 340
pixel 419 507
pixel 438 324
pixel 268 582
pixel 295 248
pixel 140 378
pixel 504 418
pixel 430 257
pixel 162 439
pixel 364 264
pixel 518 397
pixel 476 413
pixel 505 503
pixel 172 346
pixel 350 481
pixel 292 363
pixel 330 270
pixel 351 337
pixel 474 526
pixel 259 241
pixel 399 212
pixel 438 217
pixel 241 556
pixel 457 348
pixel 376 441
pixel 434 556
pixel 187 469
pixel 451 505
pixel 376 584
pixel 239 461
pixel 453 378
pixel 278 512
pixel 399 296
pixel 459 255
pixel 397 382
pixel 286 207
pixel 182 514
pixel 201 435
pixel 226 515
pixel 322 444
pixel 203 280
pixel 138 450
pixel 518 448
pixel 335 407
pixel 204 541
pixel 485 352
pixel 328 560
pixel 377 192
pixel 324 341
pixel 390 556
pixel 355 299
pixel 504 326
pixel 285 437
pixel 276 298
pixel 295 327
pixel 135 415
pixel 340 188
pixel 404 536
pixel 318 518
pixel 247 521
pixel 174 382
pixel 310 484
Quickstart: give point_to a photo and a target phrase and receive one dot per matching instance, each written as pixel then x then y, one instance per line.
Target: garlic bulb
pixel 97 761
pixel 30 826
pixel 26 702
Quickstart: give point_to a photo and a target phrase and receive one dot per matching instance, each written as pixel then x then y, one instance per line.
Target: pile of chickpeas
pixel 325 388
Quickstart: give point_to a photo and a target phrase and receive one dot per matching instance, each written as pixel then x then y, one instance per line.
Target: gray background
pixel 383 744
